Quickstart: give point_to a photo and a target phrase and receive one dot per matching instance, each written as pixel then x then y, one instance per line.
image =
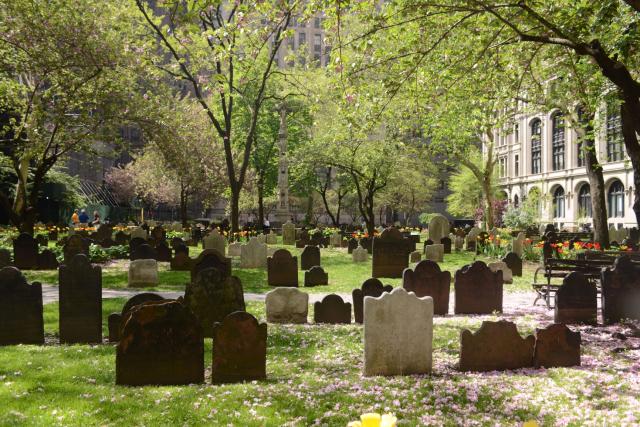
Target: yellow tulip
pixel 374 420
pixel 531 423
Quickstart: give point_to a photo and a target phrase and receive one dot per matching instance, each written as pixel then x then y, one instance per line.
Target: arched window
pixel 557 141
pixel 584 201
pixel 558 203
pixel 516 201
pixel 616 200
pixel 536 146
pixel 615 148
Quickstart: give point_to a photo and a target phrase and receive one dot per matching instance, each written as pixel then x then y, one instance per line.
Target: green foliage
pixel 466 193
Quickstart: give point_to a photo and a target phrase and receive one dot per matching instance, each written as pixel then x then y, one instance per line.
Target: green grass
pixel 314 377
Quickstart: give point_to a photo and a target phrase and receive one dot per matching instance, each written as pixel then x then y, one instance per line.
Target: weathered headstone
pixel 21 319
pixel 427 280
pixel 434 253
pixel 253 254
pixel 576 300
pixel 507 276
pixel 80 305
pixel 446 243
pixel 287 305
pixel 390 254
pixel 210 258
pixel 75 245
pixel 143 273
pixel 415 256
pixel 478 290
pixel 332 309
pixel 239 349
pixel 359 254
pixel 214 240
pixel 161 344
pixel 288 233
pixel 556 346
pixel 212 296
pixel 370 288
pixel 25 252
pixel 272 238
pixel 518 244
pixel 114 320
pixel 458 243
pixel 282 269
pixel 316 276
pixel 309 257
pixel 143 251
pixel 47 260
pixel 621 291
pixel 496 346
pixel 234 249
pixel 514 262
pixel 438 227
pixel 398 334
pixel 336 240
pixel 181 262
pixel 471 238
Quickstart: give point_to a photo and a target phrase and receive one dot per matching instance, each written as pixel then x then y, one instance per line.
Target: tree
pixel 225 53
pixel 466 191
pixel 65 83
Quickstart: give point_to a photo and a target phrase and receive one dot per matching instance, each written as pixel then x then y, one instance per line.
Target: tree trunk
pixel 309 214
pixel 325 202
pixel 183 207
pixel 488 196
pixel 235 208
pixel 629 110
pixel 260 224
pixel 596 186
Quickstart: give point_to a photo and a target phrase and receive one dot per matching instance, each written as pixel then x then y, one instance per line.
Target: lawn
pixel 314 378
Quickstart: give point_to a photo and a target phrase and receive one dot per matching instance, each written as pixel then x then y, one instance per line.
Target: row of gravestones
pixel 26 254
pixel 282 268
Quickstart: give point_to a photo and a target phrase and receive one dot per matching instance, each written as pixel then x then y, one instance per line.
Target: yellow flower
pixel 374 420
pixel 531 423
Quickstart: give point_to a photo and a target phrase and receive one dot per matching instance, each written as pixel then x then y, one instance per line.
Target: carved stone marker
pixel 514 262
pixel 446 244
pixel 434 253
pixel 332 309
pixel 621 291
pixel 211 258
pixel 478 290
pixel 212 296
pixel 282 269
pixel 75 245
pixel 47 260
pixel 80 305
pixel 496 346
pixel 161 344
pixel 253 254
pixel 427 280
pixel 272 238
pixel 316 276
pixel 390 254
pixel 115 319
pixel 288 233
pixel 239 349
pixel 181 261
pixel 438 227
pixel 398 334
pixel 415 256
pixel 287 305
pixel 21 319
pixel 234 249
pixel 309 257
pixel 143 251
pixel 359 254
pixel 143 273
pixel 576 300
pixel 507 276
pixel 214 240
pixel 25 252
pixel 556 346
pixel 370 288
pixel 336 240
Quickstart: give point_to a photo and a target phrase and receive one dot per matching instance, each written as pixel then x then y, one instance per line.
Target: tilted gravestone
pixel 332 309
pixel 621 291
pixel 390 254
pixel 353 244
pixel 143 251
pixel 288 233
pixel 398 334
pixel 556 346
pixel 161 344
pixel 427 280
pixel 282 269
pixel 163 252
pixel 80 305
pixel 309 257
pixel 114 320
pixel 507 276
pixel 434 253
pixel 239 349
pixel 496 346
pixel 21 320
pixel 370 288
pixel 316 276
pixel 253 254
pixel 514 262
pixel 446 244
pixel 212 296
pixel 287 305
pixel 25 252
pixel 576 300
pixel 438 227
pixel 143 273
pixel 359 254
pixel 75 245
pixel 214 240
pixel 211 258
pixel 47 260
pixel 478 290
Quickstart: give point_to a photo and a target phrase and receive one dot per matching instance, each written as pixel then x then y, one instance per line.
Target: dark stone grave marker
pixel 282 269
pixel 332 309
pixel 478 290
pixel 427 280
pixel 21 319
pixel 370 288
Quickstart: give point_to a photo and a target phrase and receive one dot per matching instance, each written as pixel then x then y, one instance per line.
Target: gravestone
pixel 121 238
pixel 161 344
pixel 427 243
pixel 352 245
pixel 239 349
pixel 107 243
pixel 310 257
pixel 163 252
pixel 47 260
pixel 390 254
pixel 143 251
pixel 181 262
pixel 287 305
pixel 427 280
pixel 5 257
pixel 139 232
pixel 143 273
pixel 214 240
pixel 282 269
pixel 211 258
pixel 253 254
pixel 272 238
pixel 103 232
pixel 25 252
pixel 507 276
pixel 458 243
pixel 518 244
pixel 556 346
pixel 434 253
pixel 621 291
pixel 115 319
pixel 234 249
pixel 75 245
pixel 514 262
pixel 359 254
pixel 415 256
pixel 398 334
pixel 177 241
pixel 80 306
pixel 496 346
pixel 446 243
pixel 212 296
pixel 370 288
pixel 288 233
pixel 471 239
pixel 21 320
pixel 576 300
pixel 478 290
pixel 181 248
pixel 262 238
pixel 438 227
pixel 332 309
pixel 159 234
pixel 336 240
pixel 316 276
